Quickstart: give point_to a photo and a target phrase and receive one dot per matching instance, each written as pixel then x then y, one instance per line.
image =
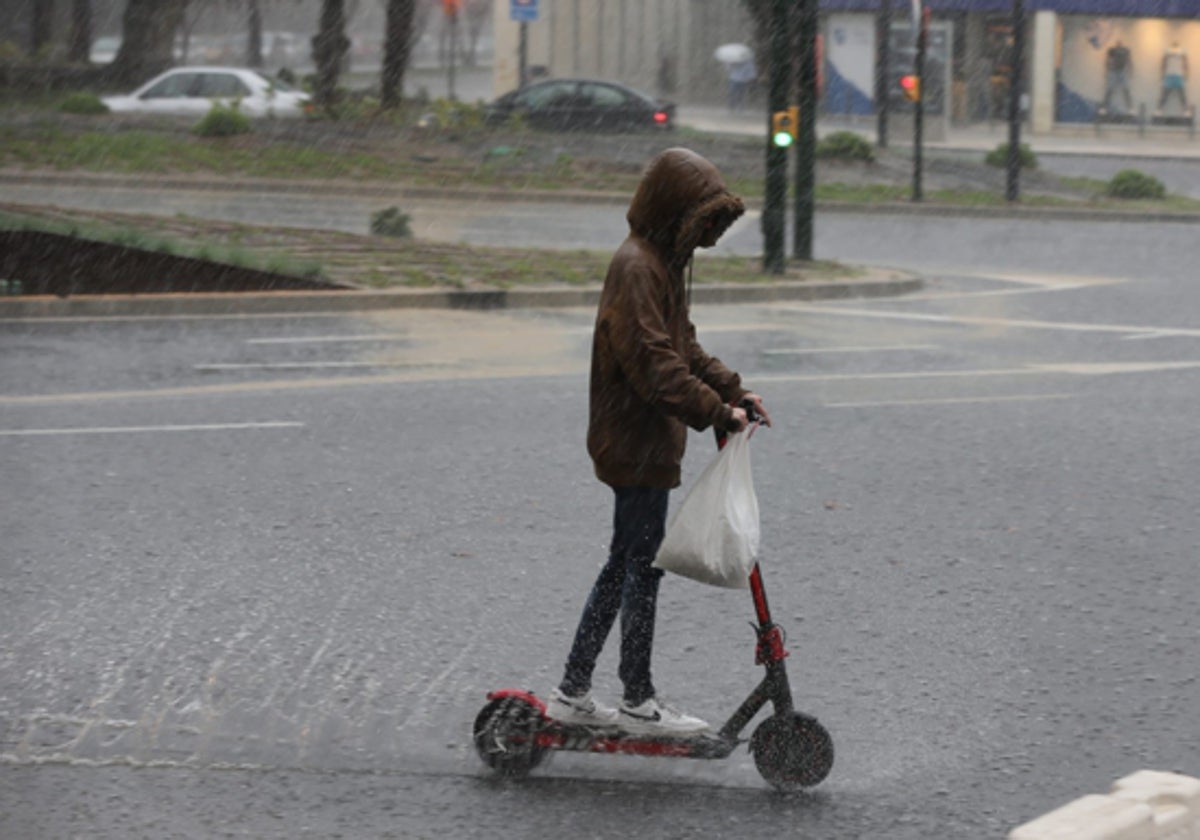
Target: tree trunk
pixel 397 50
pixel 80 47
pixel 41 28
pixel 148 39
pixel 330 45
pixel 254 42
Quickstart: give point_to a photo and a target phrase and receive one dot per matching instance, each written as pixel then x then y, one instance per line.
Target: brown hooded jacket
pixel 649 375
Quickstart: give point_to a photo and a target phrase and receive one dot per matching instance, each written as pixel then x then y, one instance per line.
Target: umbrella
pixel 733 53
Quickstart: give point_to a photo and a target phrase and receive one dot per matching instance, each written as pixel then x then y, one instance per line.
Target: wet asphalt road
pixel 258 573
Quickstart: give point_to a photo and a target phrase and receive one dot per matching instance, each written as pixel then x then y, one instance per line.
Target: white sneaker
pixel 655 717
pixel 580 711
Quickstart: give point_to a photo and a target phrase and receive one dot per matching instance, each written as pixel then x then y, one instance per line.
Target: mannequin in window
pixel 1116 66
pixel 1174 73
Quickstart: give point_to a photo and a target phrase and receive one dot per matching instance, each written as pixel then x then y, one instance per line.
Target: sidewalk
pixel 1082 139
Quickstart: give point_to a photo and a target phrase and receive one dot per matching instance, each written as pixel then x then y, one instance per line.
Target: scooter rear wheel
pixel 792 751
pixel 505 732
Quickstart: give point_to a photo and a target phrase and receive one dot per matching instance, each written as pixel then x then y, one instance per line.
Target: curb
pixel 532 196
pixel 330 186
pixel 299 303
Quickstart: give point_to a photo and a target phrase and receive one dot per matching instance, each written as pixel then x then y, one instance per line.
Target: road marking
pixel 800 351
pixel 951 401
pixel 566 370
pixel 219 367
pixel 1067 368
pixel 1104 368
pixel 1154 334
pixel 329 339
pixel 913 374
pixel 305 384
pixel 109 430
pixel 974 320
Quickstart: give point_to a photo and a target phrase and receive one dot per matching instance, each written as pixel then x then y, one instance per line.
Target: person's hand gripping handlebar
pixel 750 410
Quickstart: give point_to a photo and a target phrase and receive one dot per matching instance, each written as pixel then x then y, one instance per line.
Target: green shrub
pixel 223 121
pixel 999 156
pixel 10 52
pixel 391 222
pixel 83 103
pixel 1129 183
pixel 845 145
pixel 452 115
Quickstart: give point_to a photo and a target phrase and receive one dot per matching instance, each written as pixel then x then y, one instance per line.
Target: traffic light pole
pixel 775 188
pixel 1012 190
pixel 883 72
pixel 919 106
pixel 806 141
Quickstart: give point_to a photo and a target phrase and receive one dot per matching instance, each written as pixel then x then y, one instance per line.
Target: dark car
pixel 583 105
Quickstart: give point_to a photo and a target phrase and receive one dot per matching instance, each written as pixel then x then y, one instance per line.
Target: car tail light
pixel 661 117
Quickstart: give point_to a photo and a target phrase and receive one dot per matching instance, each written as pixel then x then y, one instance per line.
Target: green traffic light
pixel 782 139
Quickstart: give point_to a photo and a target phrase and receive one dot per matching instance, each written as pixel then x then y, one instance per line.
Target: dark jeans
pixel 629 585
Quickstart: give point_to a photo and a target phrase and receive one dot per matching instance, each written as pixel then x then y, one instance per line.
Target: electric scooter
pixel 791 749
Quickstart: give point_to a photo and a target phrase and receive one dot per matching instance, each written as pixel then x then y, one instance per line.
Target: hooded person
pixel 650 381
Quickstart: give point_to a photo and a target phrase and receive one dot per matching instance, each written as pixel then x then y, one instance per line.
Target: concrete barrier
pixel 1146 805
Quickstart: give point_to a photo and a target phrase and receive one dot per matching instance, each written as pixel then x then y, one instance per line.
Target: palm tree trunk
pixel 80 45
pixel 330 45
pixel 147 40
pixel 42 26
pixel 397 49
pixel 254 37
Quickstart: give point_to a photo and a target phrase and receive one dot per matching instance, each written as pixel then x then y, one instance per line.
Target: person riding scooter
pixel 650 380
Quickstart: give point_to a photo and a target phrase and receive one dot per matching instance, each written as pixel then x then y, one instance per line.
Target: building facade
pixel 1083 60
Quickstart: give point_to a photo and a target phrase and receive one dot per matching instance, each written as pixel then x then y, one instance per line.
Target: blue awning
pixel 1099 8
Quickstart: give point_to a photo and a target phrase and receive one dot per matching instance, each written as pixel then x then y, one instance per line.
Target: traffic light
pixel 911 87
pixel 785 125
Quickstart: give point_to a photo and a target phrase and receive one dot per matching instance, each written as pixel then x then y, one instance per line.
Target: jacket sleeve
pixel 641 345
pixel 712 372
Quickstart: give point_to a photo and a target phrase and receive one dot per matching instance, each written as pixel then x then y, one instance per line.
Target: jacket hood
pixel 680 198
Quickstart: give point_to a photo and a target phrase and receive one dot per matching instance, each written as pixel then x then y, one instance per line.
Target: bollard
pixel 1146 805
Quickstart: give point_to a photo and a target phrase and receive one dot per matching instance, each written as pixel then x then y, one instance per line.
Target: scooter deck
pixel 559 736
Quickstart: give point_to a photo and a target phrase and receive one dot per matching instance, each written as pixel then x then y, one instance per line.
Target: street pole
pixel 883 60
pixel 1012 190
pixel 453 50
pixel 919 106
pixel 775 188
pixel 806 141
pixel 523 56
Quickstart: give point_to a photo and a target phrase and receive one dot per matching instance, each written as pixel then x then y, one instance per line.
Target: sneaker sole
pixel 636 727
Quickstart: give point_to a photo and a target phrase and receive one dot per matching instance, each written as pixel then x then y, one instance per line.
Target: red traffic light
pixel 911 86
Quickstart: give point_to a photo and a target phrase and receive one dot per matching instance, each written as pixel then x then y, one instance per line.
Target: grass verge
pixel 377 262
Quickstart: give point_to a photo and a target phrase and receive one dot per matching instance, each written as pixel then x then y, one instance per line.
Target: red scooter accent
pixel 791 749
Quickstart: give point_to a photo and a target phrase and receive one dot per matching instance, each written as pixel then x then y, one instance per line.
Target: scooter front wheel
pixel 792 751
pixel 505 731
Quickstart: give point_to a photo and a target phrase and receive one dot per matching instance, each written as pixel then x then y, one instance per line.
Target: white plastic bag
pixel 713 536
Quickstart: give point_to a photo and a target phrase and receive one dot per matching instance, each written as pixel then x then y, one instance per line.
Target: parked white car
pixel 193 90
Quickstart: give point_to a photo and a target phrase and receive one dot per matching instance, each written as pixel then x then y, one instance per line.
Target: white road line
pixel 1103 368
pixel 917 374
pixel 801 351
pixel 109 430
pixel 328 339
pixel 951 401
pixel 1065 368
pixel 971 320
pixel 219 367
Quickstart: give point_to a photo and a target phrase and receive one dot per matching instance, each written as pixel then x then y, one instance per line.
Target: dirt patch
pixel 41 263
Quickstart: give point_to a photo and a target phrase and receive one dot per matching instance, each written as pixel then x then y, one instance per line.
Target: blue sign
pixel 523 11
